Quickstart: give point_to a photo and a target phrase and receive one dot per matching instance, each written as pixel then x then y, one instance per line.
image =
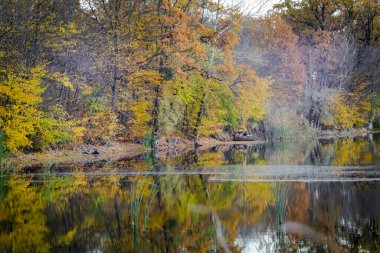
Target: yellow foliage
pixel 23 124
pixel 101 127
pixel 253 94
pixel 350 152
pixel 23 209
pixel 341 113
pixel 145 77
pixel 141 118
pixel 19 115
pixel 78 132
pixel 67 238
pixel 63 79
pixel 210 125
pixel 348 111
pixel 143 85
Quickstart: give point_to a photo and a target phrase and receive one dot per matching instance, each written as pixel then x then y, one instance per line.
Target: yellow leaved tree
pixel 252 94
pixel 22 120
pixel 349 109
pixel 20 95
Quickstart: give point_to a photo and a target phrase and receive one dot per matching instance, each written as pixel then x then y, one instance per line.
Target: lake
pixel 319 196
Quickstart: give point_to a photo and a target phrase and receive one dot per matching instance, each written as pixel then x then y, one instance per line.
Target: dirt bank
pixel 117 150
pixel 112 152
pixel 81 155
pixel 332 134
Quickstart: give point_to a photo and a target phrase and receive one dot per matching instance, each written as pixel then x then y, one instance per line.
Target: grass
pixel 280 191
pixel 137 191
pixel 153 192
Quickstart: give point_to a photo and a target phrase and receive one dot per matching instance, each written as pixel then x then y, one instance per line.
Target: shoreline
pixel 113 152
pixel 333 134
pixel 118 150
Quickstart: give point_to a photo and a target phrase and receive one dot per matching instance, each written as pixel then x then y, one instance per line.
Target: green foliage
pixel 231 115
pixel 54 127
pixel 51 132
pixel 148 140
pixel 2 144
pixel 170 115
pixel 94 101
pixel 220 108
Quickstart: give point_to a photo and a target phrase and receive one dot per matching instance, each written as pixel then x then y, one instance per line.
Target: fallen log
pixel 245 138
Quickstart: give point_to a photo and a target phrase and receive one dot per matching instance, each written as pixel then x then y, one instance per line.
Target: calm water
pixel 281 197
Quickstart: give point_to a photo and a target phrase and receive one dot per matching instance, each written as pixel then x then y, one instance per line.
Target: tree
pixel 188 47
pixel 332 36
pixel 271 48
pixel 313 15
pixel 20 96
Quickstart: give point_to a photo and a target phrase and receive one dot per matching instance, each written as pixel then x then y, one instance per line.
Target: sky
pixel 255 7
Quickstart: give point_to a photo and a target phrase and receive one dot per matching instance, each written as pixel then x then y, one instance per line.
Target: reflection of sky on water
pixel 256 240
pixel 248 173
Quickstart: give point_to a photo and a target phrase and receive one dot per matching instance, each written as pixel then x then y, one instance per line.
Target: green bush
pixel 51 132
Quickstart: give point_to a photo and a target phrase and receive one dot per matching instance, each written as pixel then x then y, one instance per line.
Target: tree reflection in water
pixel 42 209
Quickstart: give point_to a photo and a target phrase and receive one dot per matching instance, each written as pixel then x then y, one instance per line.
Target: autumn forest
pixel 94 71
pixel 189 126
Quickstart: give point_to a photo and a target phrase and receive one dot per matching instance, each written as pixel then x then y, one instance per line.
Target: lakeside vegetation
pixel 94 71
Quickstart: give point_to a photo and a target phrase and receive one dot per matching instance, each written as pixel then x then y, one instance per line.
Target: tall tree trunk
pixel 185 122
pixel 155 123
pixel 199 119
pixel 34 50
pixel 115 69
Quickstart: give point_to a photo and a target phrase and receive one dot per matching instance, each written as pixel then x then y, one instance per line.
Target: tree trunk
pixel 115 69
pixel 199 118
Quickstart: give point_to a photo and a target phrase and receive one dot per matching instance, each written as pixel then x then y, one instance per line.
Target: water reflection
pixel 96 208
pixel 178 213
pixel 336 152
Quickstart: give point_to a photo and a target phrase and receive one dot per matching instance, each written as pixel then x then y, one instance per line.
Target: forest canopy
pixel 94 71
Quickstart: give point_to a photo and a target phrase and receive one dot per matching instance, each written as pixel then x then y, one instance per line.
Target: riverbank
pixel 351 133
pixel 116 150
pixel 79 155
pixel 113 151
